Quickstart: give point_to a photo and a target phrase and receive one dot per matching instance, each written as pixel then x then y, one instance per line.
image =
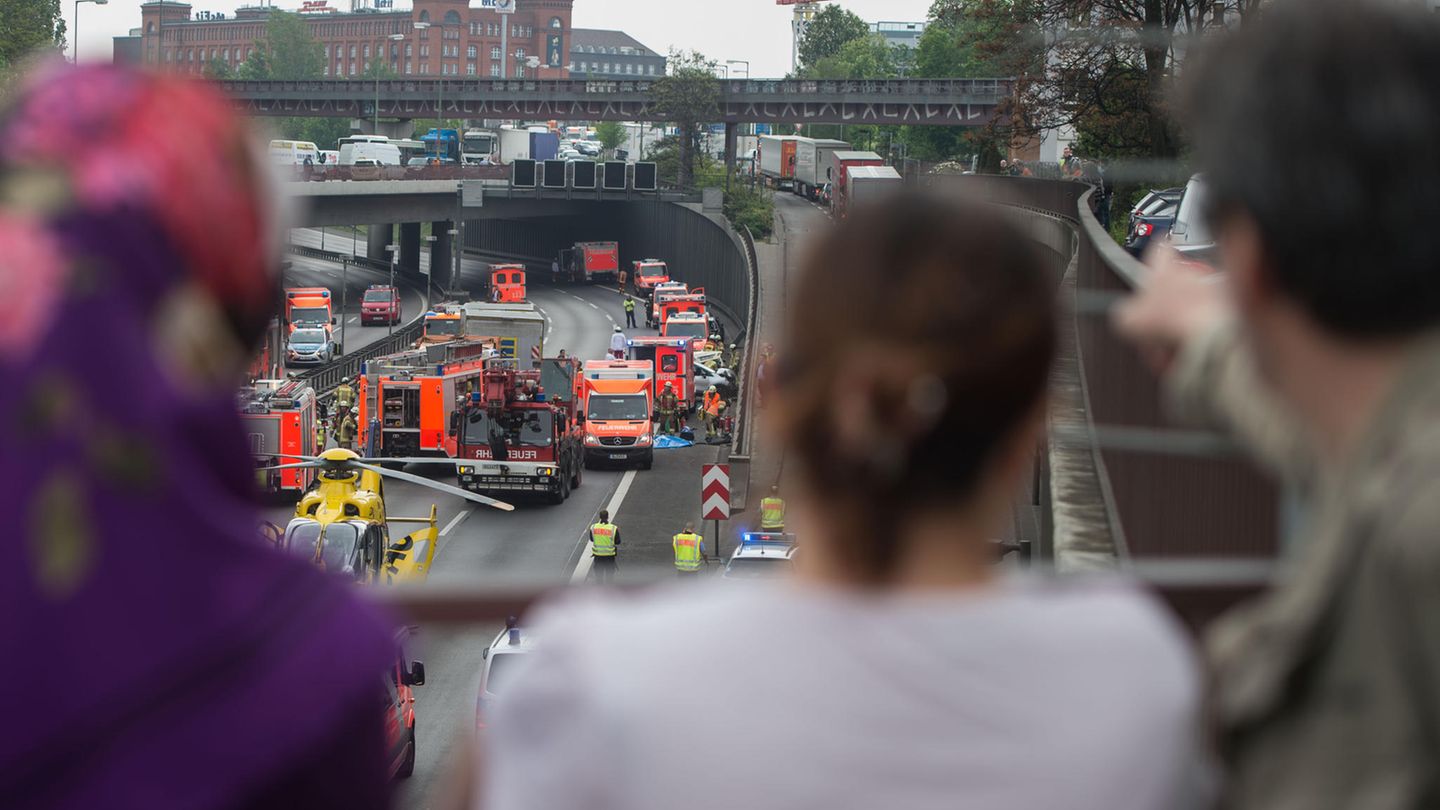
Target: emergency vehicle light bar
pixel 773 538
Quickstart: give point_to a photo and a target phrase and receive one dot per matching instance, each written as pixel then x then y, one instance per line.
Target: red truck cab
pixel 647 273
pixel 381 304
pixel 507 283
pixel 674 362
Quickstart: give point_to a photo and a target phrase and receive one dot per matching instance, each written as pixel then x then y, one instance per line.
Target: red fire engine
pixel 413 395
pixel 674 361
pixel 511 436
pixel 280 423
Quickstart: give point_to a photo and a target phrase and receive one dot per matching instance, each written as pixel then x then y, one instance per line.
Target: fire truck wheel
pixel 561 492
pixel 575 480
pixel 407 768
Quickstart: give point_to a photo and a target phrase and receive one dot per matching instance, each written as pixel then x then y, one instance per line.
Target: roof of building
pixel 601 38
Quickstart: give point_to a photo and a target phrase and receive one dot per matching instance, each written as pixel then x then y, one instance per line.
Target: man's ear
pixel 1244 259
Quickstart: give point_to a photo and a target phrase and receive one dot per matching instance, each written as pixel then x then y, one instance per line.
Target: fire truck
pixel 407 400
pixel 674 362
pixel 506 284
pixel 280 423
pixel 587 260
pixel 442 325
pixel 513 436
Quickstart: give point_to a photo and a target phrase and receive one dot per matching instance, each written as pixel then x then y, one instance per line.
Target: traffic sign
pixel 535 352
pixel 715 491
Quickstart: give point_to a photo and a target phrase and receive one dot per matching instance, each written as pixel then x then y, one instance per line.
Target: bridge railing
pixel 1125 482
pixel 742 89
pixel 321 172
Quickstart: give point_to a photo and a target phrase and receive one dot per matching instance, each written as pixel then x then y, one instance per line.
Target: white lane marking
pixel 352 320
pixel 592 306
pixel 582 566
pixel 455 521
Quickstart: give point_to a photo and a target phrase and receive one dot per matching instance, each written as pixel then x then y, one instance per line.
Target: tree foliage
pixel 832 27
pixel 27 26
pixel 688 97
pixel 752 208
pixel 611 134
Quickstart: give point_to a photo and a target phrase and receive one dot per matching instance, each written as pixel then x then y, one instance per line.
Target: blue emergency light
pixel 767 538
pixel 540 396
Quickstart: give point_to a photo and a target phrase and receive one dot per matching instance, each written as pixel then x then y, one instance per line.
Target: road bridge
pixel 933 102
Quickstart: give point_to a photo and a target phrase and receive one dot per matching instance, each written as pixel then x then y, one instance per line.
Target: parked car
pixel 1153 200
pixel 1155 223
pixel 1190 233
pixel 400 685
pixel 501 658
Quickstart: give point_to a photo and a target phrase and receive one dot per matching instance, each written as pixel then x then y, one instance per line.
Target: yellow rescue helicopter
pixel 341 525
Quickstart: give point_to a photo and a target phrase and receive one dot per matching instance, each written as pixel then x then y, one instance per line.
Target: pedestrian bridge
pixel 915 102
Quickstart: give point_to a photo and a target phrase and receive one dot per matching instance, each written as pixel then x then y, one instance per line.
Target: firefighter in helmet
pixel 345 436
pixel 669 409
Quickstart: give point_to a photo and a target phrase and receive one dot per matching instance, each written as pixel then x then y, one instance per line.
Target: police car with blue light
pixel 762 555
pixel 502 659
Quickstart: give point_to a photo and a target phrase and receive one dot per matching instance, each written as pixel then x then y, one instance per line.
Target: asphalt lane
pixel 533 541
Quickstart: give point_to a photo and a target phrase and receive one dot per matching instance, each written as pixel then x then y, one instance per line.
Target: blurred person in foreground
pixel 899 669
pixel 1318 345
pixel 166 656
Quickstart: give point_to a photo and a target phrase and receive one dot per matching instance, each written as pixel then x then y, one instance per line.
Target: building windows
pixel 352 51
pixel 556 23
pixel 408 69
pixel 519 71
pixel 629 68
pixel 425 16
pixel 495 69
pixel 494 51
pixel 327 52
pixel 452 17
pixel 471 51
pixel 327 69
pixel 519 53
pixel 367 50
pixel 650 69
pixel 352 67
pixel 408 52
pixel 470 69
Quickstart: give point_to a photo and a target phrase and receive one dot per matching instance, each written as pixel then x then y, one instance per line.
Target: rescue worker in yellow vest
pixel 630 312
pixel 669 407
pixel 689 551
pixel 604 544
pixel 772 512
pixel 344 401
pixel 345 436
pixel 711 411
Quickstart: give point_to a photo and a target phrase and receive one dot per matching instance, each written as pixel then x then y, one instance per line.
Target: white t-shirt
pixel 618 342
pixel 1036 695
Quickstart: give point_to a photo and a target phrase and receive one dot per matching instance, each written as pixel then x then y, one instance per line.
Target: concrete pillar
pixel 442 259
pixel 409 249
pixel 403 128
pixel 378 237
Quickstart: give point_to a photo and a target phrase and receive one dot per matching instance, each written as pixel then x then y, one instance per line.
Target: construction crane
pixel 805 11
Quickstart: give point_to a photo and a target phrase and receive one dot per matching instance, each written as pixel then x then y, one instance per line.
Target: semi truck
pixel 812 164
pixel 777 160
pixel 589 261
pixel 518 327
pixel 478 146
pixel 866 185
pixel 841 162
pixel 534 143
pixel 443 144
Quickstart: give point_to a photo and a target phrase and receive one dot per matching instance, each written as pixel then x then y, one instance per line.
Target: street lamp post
pixel 740 62
pixel 392 38
pixel 76 28
pixel 455 248
pixel 344 298
pixel 430 276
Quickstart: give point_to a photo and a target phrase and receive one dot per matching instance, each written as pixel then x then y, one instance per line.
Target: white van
pixel 290 153
pixel 369 147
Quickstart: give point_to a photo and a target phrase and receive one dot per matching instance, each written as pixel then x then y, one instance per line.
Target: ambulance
pixel 673 361
pixel 618 400
pixel 507 283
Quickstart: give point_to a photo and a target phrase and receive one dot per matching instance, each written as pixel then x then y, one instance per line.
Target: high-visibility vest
pixel 345 396
pixel 629 305
pixel 712 403
pixel 602 539
pixel 772 513
pixel 687 551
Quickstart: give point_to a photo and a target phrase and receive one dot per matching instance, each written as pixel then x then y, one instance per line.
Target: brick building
pixel 435 38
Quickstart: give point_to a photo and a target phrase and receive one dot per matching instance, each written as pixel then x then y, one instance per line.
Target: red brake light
pixel 1143 229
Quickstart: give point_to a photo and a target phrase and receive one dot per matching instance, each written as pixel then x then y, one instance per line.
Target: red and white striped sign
pixel 535 352
pixel 715 491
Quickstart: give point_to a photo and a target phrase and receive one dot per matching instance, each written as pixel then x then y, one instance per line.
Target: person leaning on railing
pixel 1319 347
pixel 899 669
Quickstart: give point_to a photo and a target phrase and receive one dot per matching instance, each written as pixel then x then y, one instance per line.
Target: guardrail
pixel 321 172
pixel 743 374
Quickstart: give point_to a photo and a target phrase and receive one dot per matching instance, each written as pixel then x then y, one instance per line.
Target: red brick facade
pixel 459 41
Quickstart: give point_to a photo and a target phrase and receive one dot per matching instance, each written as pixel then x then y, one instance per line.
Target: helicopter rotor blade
pixel 435 485
pixel 451 461
pixel 294 466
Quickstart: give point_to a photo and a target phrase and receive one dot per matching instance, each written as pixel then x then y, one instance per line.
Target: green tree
pixel 828 32
pixel 27 26
pixel 865 57
pixel 750 208
pixel 217 70
pixel 689 96
pixel 256 66
pixel 291 52
pixel 611 135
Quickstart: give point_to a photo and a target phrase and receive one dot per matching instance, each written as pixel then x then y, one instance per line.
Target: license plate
pixel 617 456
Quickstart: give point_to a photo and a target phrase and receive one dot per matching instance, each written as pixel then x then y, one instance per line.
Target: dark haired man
pixel 1318 345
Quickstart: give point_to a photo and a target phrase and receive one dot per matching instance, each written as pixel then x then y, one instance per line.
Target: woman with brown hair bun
pixel 899 668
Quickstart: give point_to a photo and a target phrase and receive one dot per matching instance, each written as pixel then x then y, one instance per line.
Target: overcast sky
pixel 754 30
